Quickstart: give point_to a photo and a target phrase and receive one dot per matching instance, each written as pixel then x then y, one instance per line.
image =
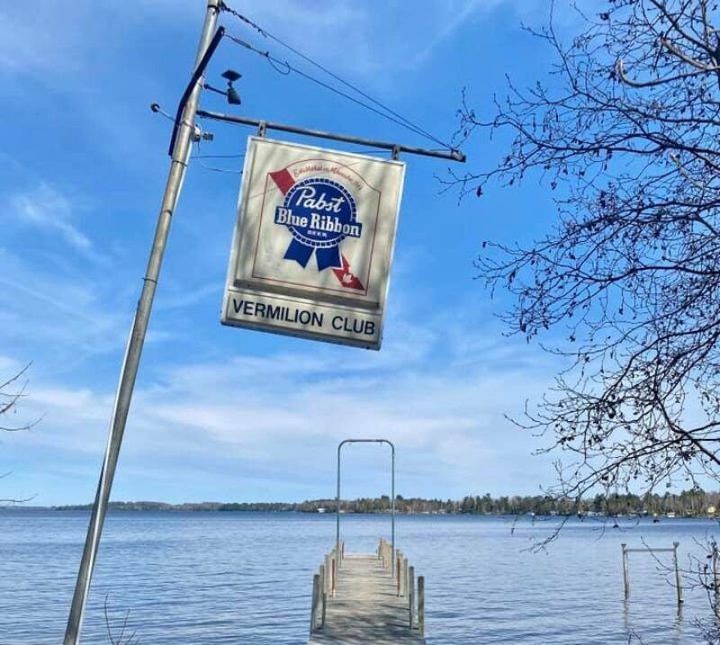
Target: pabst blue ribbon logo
pixel 319 213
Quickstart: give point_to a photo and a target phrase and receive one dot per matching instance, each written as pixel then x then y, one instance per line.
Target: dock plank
pixel 366 608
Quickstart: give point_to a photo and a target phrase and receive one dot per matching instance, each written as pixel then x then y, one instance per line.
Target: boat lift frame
pixel 392 495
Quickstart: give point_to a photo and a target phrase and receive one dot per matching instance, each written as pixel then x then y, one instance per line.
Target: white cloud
pixel 47 210
pixel 183 298
pixel 360 37
pixel 54 315
pixel 29 44
pixel 365 39
pixel 287 412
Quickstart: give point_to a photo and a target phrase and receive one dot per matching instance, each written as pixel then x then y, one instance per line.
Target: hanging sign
pixel 313 243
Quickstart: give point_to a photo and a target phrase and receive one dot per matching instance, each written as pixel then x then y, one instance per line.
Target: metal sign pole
pixel 392 492
pixel 128 372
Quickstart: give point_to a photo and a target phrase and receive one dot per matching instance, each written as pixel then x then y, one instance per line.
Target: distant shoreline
pixel 86 508
pixel 691 504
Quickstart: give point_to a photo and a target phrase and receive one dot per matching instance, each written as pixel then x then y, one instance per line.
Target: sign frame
pixel 302 211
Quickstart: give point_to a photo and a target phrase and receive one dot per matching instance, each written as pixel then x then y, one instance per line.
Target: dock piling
pixel 324 610
pixel 323 593
pixel 314 602
pixel 328 569
pixel 334 575
pixel 626 579
pixel 716 578
pixel 405 574
pixel 421 605
pixel 411 595
pixel 678 585
pixel 398 569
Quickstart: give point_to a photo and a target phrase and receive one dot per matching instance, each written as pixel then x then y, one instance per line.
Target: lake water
pixel 197 577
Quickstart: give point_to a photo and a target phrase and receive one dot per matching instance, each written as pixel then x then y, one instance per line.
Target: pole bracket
pixel 197 74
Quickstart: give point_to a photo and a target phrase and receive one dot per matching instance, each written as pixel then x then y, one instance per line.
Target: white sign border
pixel 231 290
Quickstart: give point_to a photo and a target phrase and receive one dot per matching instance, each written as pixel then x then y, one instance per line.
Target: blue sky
pixel 228 414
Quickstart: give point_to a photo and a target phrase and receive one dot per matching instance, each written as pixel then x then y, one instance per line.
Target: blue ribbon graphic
pixel 301 253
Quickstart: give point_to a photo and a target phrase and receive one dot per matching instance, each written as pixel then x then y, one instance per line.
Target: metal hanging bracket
pixel 451 155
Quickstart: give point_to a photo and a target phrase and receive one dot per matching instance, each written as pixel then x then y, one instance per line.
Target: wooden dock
pixel 361 601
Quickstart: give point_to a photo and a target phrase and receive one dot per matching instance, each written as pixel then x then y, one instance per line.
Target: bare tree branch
pixel 130 640
pixel 12 391
pixel 626 136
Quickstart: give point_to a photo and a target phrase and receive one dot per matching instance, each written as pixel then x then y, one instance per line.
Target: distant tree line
pixel 693 502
